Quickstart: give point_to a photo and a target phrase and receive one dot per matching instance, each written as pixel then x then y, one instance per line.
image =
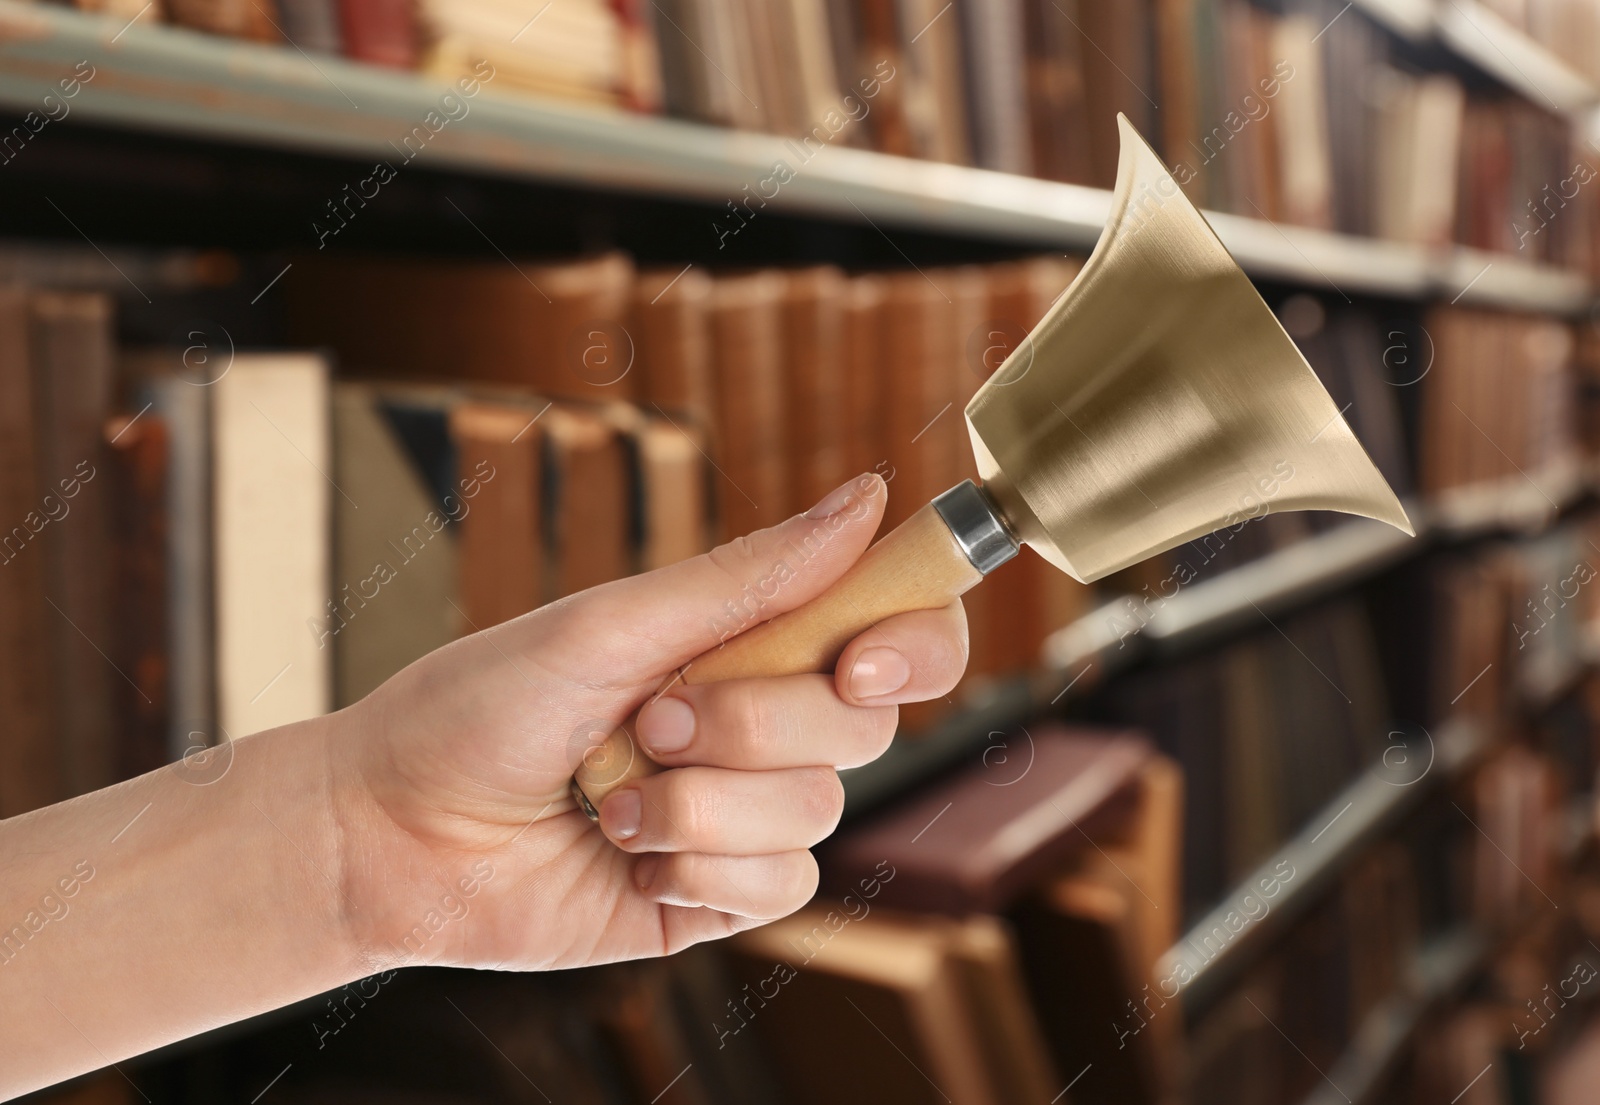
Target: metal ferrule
pixel 977 525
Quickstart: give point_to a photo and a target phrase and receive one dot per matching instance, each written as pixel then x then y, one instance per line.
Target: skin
pixel 430 823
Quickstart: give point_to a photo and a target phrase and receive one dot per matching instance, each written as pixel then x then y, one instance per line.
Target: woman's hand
pixel 458 843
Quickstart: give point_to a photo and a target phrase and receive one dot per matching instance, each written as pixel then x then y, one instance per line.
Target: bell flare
pixel 1160 400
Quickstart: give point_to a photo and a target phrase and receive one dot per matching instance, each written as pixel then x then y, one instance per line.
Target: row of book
pixel 687 407
pixel 268 544
pixel 1289 112
pixel 1502 401
pixel 1456 881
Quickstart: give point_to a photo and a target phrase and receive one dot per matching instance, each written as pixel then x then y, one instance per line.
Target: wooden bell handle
pixel 919 566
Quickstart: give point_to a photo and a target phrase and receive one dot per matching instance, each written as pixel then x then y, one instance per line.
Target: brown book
pixel 1177 63
pixel 814 374
pixel 236 18
pixel 672 342
pixel 976 840
pixel 137 458
pixel 880 996
pixel 31 774
pixel 1027 599
pixel 883 73
pixel 1014 1051
pixel 1078 936
pixel 73 362
pixel 1118 69
pixel 920 415
pixel 675 522
pixel 502 540
pixel 752 485
pixel 935 83
pixel 1058 113
pixel 557 328
pixel 589 497
pixel 640 1021
pixel 865 362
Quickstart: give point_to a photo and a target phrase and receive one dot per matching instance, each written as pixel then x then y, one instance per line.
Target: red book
pixel 383 32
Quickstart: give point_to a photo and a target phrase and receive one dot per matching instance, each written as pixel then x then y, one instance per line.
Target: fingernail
pixel 878 671
pixel 620 813
pixel 666 725
pixel 835 501
pixel 644 872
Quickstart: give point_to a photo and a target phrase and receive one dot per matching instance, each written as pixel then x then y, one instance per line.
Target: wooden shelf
pixel 1361 812
pixel 165 79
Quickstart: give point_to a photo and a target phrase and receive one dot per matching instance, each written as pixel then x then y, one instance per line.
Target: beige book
pixel 1305 165
pixel 395 552
pixel 272 512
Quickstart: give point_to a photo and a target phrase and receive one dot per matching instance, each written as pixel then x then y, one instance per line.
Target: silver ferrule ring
pixel 977 525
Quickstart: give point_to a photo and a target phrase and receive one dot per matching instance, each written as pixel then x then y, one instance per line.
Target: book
pixel 138 460
pixel 672 480
pixel 882 997
pixel 184 408
pixel 752 486
pixel 812 337
pixel 272 511
pixel 994 61
pixel 312 25
pixel 500 446
pixel 31 773
pixel 975 841
pixel 73 359
pixel 557 328
pixel 669 322
pixel 574 50
pixel 589 488
pixel 396 557
pixel 381 32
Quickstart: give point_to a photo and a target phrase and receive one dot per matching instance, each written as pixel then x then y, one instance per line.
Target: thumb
pixel 667 617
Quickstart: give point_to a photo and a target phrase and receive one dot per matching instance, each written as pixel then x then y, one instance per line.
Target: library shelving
pixel 170 80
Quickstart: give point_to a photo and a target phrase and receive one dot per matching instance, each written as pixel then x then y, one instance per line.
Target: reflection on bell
pixel 1160 399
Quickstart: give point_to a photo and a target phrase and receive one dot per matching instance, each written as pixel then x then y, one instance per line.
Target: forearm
pixel 169 904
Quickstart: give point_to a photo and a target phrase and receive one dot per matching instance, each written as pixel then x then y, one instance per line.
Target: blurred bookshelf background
pixel 561 291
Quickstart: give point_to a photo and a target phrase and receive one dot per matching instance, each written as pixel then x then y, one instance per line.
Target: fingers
pixel 761 887
pixel 761 724
pixel 843 720
pixel 907 658
pixel 723 812
pixel 682 610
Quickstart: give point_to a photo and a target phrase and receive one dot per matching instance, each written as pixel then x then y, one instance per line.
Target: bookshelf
pixel 1442 968
pixel 1475 34
pixel 1354 817
pixel 205 91
pixel 170 80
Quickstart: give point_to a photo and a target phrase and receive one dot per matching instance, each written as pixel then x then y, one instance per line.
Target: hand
pixel 459 843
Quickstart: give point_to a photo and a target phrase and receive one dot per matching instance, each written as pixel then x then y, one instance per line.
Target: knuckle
pixel 747 716
pixel 803 882
pixel 734 558
pixel 690 808
pixel 821 797
pixel 871 730
pixel 881 730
